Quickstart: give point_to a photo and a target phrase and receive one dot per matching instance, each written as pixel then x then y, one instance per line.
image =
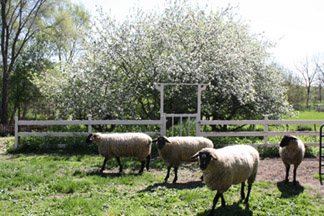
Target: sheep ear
pixel 89 138
pixel 155 140
pixel 195 156
pixel 213 156
pixel 166 139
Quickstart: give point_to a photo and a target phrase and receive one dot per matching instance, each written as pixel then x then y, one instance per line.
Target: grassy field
pixel 71 185
pixel 39 183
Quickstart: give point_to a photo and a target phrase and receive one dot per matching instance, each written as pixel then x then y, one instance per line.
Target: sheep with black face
pixel 227 166
pixel 176 150
pixel 118 145
pixel 292 151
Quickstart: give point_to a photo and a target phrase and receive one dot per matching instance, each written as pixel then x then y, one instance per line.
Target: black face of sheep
pixel 204 159
pixel 90 138
pixel 286 140
pixel 161 141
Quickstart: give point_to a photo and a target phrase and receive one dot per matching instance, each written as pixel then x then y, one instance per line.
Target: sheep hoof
pixel 140 172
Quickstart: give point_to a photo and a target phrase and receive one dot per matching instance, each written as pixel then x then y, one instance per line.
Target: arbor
pixel 115 78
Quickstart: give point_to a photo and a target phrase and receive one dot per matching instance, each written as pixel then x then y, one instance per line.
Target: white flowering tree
pixel 115 78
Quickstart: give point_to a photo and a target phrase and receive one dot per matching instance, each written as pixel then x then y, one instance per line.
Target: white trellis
pixel 163 116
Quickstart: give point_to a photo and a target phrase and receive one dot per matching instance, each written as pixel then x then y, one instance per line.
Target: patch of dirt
pixel 273 170
pixel 270 170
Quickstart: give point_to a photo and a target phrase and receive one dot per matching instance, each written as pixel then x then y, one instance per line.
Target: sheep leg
pixel 142 167
pixel 248 194
pixel 223 200
pixel 168 174
pixel 287 173
pixel 242 190
pixel 103 165
pixel 120 166
pixel 148 158
pixel 218 194
pixel 295 171
pixel 175 175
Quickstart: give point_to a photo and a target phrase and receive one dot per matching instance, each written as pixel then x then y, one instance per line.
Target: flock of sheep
pixel 221 168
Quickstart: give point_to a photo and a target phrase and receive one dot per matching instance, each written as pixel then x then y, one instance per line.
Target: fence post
pixel 160 88
pixel 16 132
pixel 163 126
pixel 198 118
pixel 266 129
pixel 89 123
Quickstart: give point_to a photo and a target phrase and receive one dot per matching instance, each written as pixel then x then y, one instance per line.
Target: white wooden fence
pixel 266 133
pixel 88 122
pixel 266 122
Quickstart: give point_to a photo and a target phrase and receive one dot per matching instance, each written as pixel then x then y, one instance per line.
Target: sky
pixel 295 25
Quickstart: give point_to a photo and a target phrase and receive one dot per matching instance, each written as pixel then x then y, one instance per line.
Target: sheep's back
pixel 125 145
pixel 181 149
pixel 234 165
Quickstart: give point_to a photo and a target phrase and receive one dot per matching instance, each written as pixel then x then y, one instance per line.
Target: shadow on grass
pixel 110 174
pixel 179 186
pixel 234 209
pixel 289 190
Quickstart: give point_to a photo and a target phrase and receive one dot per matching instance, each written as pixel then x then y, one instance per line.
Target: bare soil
pixel 273 170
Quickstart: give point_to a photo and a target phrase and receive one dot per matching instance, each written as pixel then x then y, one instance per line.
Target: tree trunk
pixel 4 104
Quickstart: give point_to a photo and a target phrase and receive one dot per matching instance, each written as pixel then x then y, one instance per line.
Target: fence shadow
pixel 229 210
pixel 109 174
pixel 179 186
pixel 289 190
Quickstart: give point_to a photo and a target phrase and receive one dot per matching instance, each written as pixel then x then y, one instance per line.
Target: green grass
pixel 308 115
pixel 71 185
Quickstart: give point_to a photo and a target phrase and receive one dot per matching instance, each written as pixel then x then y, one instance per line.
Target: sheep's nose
pixel 203 166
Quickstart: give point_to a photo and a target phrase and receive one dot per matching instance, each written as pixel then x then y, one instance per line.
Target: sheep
pixel 226 166
pixel 292 151
pixel 123 145
pixel 176 150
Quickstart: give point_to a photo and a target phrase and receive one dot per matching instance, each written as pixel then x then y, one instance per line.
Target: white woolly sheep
pixel 123 145
pixel 292 151
pixel 227 166
pixel 176 150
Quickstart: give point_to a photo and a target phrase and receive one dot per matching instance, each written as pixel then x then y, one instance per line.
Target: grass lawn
pixel 71 185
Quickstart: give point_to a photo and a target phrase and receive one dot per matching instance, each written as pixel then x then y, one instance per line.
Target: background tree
pixel 65 39
pixel 18 25
pixel 296 93
pixel 308 70
pixel 35 35
pixel 115 78
pixel 23 93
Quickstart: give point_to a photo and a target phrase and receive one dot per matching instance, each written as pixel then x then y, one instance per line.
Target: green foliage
pixel 115 77
pixel 66 145
pixel 71 185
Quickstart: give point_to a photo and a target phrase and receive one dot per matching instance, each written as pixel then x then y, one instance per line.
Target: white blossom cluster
pixel 115 77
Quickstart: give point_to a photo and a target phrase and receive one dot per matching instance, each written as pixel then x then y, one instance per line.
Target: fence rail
pixel 162 123
pixel 88 122
pixel 266 133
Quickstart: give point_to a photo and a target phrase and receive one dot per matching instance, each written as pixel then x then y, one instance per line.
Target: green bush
pixel 65 145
